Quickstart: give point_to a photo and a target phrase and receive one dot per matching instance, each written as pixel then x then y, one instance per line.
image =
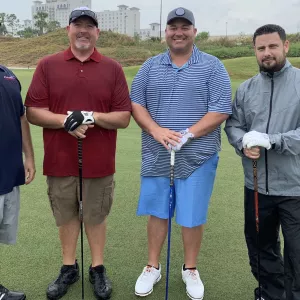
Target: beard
pixel 81 46
pixel 275 65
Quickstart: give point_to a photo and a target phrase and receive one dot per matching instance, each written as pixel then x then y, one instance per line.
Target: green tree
pixel 202 36
pixel 3 30
pixel 28 32
pixel 12 22
pixel 52 26
pixel 41 22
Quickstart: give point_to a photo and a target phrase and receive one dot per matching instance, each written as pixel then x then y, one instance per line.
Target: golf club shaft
pixel 81 212
pixel 254 164
pixel 172 163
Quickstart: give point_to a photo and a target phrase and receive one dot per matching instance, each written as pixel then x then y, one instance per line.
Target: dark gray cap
pixel 181 13
pixel 81 12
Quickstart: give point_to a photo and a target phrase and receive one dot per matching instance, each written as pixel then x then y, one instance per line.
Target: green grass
pixel 223 263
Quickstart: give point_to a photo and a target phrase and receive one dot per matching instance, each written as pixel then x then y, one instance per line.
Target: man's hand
pixel 186 137
pixel 29 168
pixel 256 139
pixel 80 131
pixel 77 118
pixel 252 153
pixel 165 136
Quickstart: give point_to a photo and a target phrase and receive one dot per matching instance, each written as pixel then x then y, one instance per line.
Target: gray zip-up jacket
pixel 270 104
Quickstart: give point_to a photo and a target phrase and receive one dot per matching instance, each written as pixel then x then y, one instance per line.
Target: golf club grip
pixel 79 148
pixel 172 163
pixel 254 165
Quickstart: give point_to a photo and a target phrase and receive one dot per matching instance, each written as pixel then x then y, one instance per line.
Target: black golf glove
pixel 77 118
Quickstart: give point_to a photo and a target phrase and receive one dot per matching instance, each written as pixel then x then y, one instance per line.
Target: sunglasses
pixel 80 13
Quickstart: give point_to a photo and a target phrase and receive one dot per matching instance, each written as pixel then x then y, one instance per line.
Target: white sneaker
pixel 149 277
pixel 194 285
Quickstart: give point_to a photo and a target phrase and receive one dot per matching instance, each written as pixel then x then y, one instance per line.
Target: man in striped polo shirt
pixel 180 99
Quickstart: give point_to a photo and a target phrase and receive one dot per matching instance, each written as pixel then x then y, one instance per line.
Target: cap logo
pixel 180 12
pixel 83 13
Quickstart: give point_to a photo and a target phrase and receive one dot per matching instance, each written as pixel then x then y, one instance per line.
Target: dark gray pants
pixel 280 278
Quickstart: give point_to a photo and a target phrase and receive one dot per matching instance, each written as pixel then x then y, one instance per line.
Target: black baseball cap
pixel 81 12
pixel 181 13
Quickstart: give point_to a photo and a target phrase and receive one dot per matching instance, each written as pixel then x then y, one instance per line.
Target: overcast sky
pixel 211 15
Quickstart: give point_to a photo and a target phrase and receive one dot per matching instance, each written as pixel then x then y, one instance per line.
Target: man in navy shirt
pixel 15 138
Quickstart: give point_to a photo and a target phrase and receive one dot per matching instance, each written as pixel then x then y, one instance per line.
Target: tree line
pixel 10 25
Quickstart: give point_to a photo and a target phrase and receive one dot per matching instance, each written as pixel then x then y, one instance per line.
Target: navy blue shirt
pixel 11 109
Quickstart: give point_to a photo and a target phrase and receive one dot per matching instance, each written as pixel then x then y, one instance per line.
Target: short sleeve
pixel 120 100
pixel 139 84
pixel 220 95
pixel 37 95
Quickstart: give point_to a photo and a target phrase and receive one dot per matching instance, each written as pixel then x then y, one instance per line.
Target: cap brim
pixel 178 17
pixel 74 19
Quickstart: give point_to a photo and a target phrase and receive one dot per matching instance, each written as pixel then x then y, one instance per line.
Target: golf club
pixel 81 212
pixel 254 165
pixel 171 204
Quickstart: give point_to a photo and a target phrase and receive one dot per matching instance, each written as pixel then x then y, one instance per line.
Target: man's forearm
pixel 26 139
pixel 208 124
pixel 143 118
pixel 112 120
pixel 45 118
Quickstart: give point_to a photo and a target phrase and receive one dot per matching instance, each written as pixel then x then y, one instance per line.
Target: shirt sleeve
pixel 139 84
pixel 219 86
pixel 120 100
pixel 20 101
pixel 37 95
pixel 236 125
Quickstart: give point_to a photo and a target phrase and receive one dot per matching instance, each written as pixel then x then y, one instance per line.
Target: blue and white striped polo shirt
pixel 177 98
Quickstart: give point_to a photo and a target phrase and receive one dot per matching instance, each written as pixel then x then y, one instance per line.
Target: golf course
pixel 223 264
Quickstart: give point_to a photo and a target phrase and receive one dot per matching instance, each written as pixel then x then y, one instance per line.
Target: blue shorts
pixel 192 195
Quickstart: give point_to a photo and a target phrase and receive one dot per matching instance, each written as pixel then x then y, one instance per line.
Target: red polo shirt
pixel 62 83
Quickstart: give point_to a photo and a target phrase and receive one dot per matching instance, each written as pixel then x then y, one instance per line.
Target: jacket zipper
pixel 267 131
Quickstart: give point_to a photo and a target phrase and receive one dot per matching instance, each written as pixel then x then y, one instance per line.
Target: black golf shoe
pixel 67 276
pixel 256 295
pixel 6 294
pixel 101 283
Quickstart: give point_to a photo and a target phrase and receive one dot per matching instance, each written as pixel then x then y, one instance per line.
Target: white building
pixel 58 10
pixel 28 23
pixel 153 31
pixel 125 20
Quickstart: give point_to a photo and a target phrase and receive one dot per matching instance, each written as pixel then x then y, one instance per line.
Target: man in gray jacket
pixel 265 126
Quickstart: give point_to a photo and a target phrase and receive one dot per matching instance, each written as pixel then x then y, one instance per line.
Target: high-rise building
pixel 125 20
pixel 152 31
pixel 58 10
pixel 27 23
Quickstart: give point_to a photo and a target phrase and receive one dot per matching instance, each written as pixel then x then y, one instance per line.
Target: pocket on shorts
pixel 50 194
pixel 108 195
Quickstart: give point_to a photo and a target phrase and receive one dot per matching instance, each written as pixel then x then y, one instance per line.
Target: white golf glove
pixel 256 139
pixel 187 136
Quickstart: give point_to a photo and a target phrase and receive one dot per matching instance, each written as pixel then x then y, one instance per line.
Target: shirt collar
pixel 96 56
pixel 194 59
pixel 275 74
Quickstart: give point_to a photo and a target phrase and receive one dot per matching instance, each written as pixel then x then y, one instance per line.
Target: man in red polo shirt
pixel 76 80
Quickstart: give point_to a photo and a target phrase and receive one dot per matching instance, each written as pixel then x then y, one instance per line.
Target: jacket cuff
pixel 275 140
pixel 239 147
